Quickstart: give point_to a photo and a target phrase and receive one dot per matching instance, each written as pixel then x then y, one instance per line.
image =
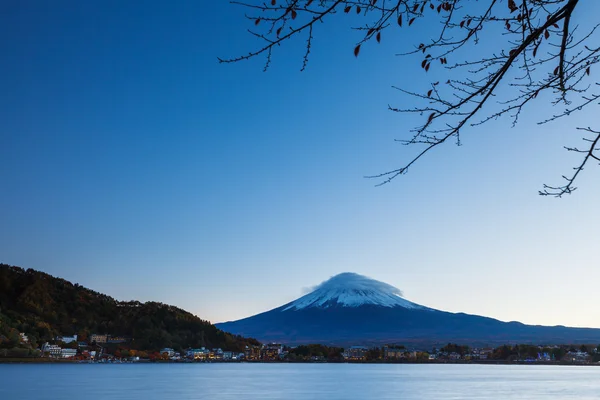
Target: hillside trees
pixel 45 307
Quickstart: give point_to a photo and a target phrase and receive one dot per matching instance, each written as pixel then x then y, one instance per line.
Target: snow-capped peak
pixel 352 290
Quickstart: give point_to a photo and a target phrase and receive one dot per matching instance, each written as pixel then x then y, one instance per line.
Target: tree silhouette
pixel 539 49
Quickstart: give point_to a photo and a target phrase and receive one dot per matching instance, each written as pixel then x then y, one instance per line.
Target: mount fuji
pixel 354 309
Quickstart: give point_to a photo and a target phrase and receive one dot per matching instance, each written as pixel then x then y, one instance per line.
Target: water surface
pixel 296 382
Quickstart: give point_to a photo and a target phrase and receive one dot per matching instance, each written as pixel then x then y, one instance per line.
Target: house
pixel 67 339
pixel 168 351
pixel 355 353
pixel 271 351
pixel 23 338
pixel 216 354
pixel 68 353
pixel 577 356
pixel 228 356
pixel 486 353
pixel 394 352
pixel 98 338
pixel 197 354
pixel 454 356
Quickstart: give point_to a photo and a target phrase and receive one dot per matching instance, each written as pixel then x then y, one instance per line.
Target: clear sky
pixel 134 164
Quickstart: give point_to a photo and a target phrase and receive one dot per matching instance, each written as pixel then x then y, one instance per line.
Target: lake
pixel 296 381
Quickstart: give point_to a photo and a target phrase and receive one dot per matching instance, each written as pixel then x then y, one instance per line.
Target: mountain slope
pixel 44 307
pixel 353 309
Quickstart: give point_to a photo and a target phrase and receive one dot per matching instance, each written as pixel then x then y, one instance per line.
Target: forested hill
pixel 44 307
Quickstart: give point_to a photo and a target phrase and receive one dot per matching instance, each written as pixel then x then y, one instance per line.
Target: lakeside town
pixel 105 348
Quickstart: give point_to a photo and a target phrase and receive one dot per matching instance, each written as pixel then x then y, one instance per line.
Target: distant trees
pixel 375 353
pixel 497 58
pixel 455 348
pixel 73 345
pixel 45 307
pixel 528 351
pixel 319 351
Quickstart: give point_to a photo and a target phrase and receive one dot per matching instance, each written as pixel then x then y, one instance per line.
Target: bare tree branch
pixel 537 55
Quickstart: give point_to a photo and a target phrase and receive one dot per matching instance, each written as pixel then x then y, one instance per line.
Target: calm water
pixel 297 381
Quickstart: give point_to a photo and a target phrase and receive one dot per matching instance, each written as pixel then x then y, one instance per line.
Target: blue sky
pixel 136 165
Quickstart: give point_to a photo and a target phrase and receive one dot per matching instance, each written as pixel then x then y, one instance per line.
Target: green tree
pixel 558 353
pixel 72 345
pixel 374 354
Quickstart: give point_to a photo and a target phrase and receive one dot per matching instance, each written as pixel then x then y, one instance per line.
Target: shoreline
pixel 42 360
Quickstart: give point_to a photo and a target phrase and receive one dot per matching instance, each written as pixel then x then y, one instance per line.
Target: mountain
pixel 353 309
pixel 44 307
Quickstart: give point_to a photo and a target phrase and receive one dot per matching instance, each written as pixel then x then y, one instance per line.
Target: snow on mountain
pixel 351 309
pixel 352 290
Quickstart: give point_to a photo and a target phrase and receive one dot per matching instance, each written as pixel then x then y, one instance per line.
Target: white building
pixel 52 349
pixel 577 356
pixel 67 339
pixel 68 353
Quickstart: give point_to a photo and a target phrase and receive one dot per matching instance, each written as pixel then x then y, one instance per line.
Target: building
pixel 168 351
pixel 355 353
pixel 394 352
pixel 52 350
pixel 216 354
pixel 544 357
pixel 197 354
pixel 271 351
pixel 67 339
pixel 577 356
pixel 486 353
pixel 252 353
pixel 116 339
pixel 68 353
pixel 98 338
pixel 23 338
